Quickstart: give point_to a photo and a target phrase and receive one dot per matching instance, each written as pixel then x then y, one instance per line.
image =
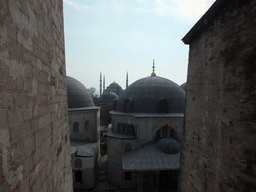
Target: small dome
pixel 184 86
pixel 147 94
pixel 115 88
pixel 108 96
pixel 168 145
pixel 78 95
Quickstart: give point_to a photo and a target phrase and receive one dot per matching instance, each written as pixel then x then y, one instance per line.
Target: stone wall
pixel 34 137
pixel 92 133
pixel 219 150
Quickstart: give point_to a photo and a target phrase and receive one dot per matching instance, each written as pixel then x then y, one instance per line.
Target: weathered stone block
pixel 27 98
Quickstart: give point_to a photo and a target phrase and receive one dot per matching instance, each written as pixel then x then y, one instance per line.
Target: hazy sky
pixel 116 36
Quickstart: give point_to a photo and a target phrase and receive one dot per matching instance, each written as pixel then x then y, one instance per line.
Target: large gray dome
pixel 78 95
pixel 146 94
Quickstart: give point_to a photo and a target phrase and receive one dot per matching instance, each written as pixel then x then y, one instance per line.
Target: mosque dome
pixel 108 96
pixel 152 94
pixel 168 145
pixel 184 86
pixel 114 85
pixel 115 88
pixel 78 95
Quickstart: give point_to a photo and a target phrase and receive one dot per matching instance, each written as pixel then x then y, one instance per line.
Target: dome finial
pixel 153 73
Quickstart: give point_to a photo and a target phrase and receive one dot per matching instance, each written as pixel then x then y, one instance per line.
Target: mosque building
pixel 107 100
pixel 84 125
pixel 146 134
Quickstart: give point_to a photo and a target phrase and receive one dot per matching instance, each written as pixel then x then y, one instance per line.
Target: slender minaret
pixel 153 73
pixel 126 80
pixel 100 83
pixel 103 83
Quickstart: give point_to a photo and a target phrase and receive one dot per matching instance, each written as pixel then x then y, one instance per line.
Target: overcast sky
pixel 119 36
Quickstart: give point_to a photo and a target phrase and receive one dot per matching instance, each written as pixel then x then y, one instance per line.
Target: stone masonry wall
pixel 34 137
pixel 220 120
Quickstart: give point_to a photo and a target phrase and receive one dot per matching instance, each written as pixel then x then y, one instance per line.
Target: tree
pixel 93 91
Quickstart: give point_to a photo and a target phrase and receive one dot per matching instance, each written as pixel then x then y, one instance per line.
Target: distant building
pixel 146 133
pixel 84 126
pixel 115 88
pixel 107 102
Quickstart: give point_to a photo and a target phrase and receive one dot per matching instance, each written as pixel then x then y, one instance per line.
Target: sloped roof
pixel 83 149
pixel 150 158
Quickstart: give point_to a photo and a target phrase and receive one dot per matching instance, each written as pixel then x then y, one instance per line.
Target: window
pixel 78 176
pixel 162 107
pixel 118 128
pixel 127 147
pixel 75 127
pixel 166 131
pixel 127 175
pixel 129 130
pixel 86 125
pixel 78 163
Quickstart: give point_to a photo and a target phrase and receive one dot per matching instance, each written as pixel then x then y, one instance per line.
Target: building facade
pixel 148 114
pixel 219 149
pixel 34 134
pixel 84 127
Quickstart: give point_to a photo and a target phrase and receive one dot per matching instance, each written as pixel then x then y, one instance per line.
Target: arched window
pixel 166 131
pixel 131 131
pixel 162 106
pixel 86 125
pixel 122 129
pixel 78 163
pixel 75 127
pixel 128 106
pixel 127 147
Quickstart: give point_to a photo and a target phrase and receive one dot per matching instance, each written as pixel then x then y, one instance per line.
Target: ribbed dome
pixel 78 95
pixel 108 96
pixel 146 95
pixel 184 86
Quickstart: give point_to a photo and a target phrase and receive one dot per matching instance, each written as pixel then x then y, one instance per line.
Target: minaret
pixel 100 83
pixel 126 79
pixel 153 73
pixel 103 83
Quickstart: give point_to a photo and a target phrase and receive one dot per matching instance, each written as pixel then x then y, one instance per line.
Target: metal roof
pixel 150 158
pixel 83 149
